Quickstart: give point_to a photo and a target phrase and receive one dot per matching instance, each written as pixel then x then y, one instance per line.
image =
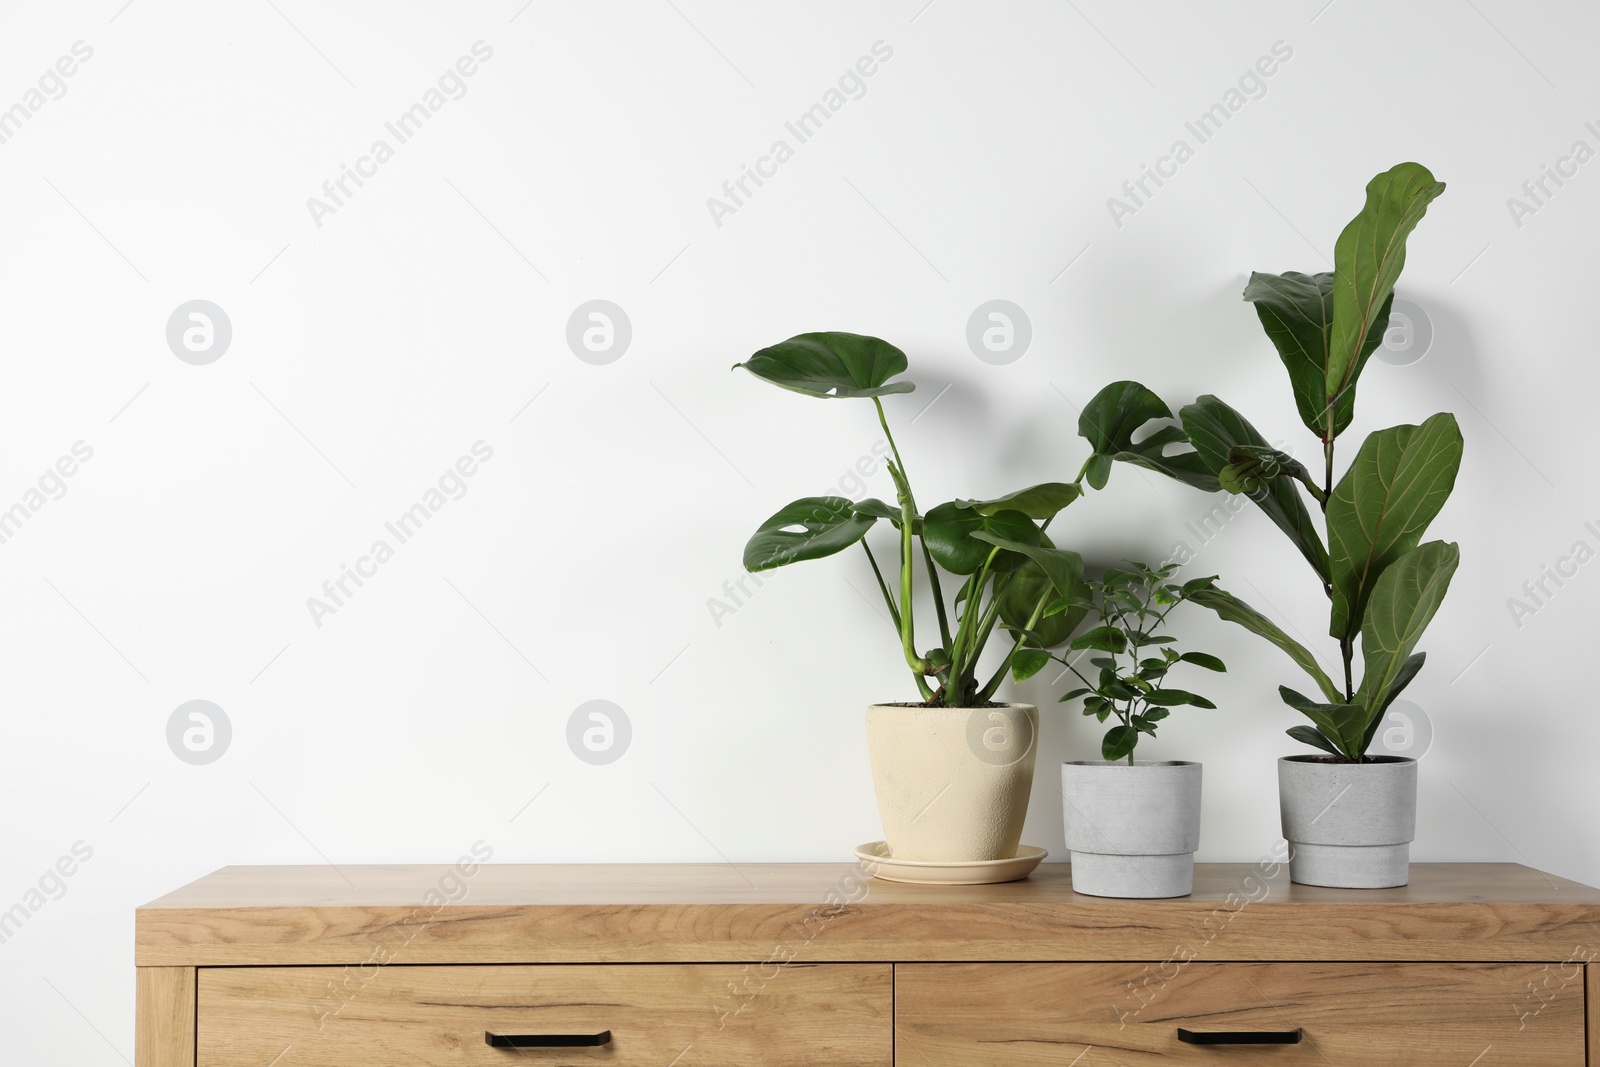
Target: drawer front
pixel 1348 1014
pixel 657 1015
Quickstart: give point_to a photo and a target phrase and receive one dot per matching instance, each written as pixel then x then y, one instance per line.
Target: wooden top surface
pixel 644 913
pixel 698 884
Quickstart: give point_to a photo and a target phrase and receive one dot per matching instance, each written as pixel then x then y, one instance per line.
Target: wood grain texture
pixel 1121 1015
pixel 687 913
pixel 690 1016
pixel 164 1017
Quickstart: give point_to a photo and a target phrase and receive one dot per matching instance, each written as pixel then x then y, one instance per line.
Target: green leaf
pixel 1407 672
pixel 1176 698
pixel 1216 430
pixel 1232 609
pixel 1121 410
pixel 1027 662
pixel 1155 715
pixel 877 509
pixel 1119 742
pixel 1343 724
pixel 1204 659
pixel 810 528
pixel 1404 601
pixel 1075 694
pixel 1101 638
pixel 950 530
pixel 831 365
pixel 1400 479
pixel 1367 260
pixel 1098 470
pixel 1296 310
pixel 1311 736
pixel 1024 589
pixel 1041 501
pixel 1251 470
pixel 1063 568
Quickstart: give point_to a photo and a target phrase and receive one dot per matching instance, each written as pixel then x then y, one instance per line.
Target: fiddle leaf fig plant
pixel 1383 583
pixel 1008 571
pixel 1134 660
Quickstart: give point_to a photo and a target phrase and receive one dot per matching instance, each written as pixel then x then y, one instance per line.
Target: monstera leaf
pixel 831 365
pixel 1119 411
pixel 1296 310
pixel 1062 568
pixel 810 528
pixel 1030 584
pixel 1037 501
pixel 1367 260
pixel 1400 479
pixel 1216 431
pixel 950 532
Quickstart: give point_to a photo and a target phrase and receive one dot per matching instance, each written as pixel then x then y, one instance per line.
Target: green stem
pixel 993 684
pixel 908 510
pixel 938 595
pixel 883 587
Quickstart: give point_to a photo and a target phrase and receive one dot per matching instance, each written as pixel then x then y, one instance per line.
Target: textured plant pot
pixel 1349 825
pixel 1132 830
pixel 952 783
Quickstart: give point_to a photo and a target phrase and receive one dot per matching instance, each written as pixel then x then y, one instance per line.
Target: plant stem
pixel 908 510
pixel 938 595
pixel 883 587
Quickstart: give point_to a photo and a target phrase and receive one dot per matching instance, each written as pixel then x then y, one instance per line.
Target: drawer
pixel 1349 1014
pixel 657 1014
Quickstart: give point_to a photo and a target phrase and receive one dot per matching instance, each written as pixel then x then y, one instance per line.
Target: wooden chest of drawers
pixel 815 964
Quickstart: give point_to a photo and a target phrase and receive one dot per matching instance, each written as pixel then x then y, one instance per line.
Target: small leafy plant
pixel 1383 583
pixel 1134 659
pixel 1009 570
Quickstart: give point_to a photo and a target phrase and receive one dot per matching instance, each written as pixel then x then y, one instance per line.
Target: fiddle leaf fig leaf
pixel 1343 724
pixel 1400 479
pixel 810 528
pixel 1216 431
pixel 1232 609
pixel 1039 502
pixel 1404 601
pixel 1296 310
pixel 1119 411
pixel 1251 470
pixel 831 365
pixel 1310 735
pixel 1367 260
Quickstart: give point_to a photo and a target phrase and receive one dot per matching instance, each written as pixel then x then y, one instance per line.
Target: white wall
pixel 428 313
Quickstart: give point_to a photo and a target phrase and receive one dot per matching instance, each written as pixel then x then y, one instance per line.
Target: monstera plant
pixel 952 771
pixel 1383 583
pixel 1011 580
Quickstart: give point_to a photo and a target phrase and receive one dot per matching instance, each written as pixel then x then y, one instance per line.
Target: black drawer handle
pixel 548 1040
pixel 1240 1037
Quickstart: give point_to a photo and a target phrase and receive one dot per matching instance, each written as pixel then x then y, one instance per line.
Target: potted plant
pixel 1349 816
pixel 1133 825
pixel 952 770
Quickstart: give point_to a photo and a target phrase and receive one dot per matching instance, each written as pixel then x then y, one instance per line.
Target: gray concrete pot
pixel 1132 830
pixel 1349 825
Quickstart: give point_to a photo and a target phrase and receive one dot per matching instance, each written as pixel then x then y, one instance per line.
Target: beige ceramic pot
pixel 952 783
